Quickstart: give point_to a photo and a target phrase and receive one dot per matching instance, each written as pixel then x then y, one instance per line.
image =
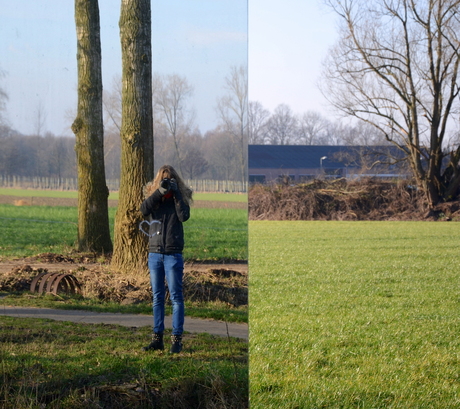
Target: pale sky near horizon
pixel 283 44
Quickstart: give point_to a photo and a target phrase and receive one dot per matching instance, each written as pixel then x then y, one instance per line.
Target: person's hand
pixel 165 186
pixel 173 185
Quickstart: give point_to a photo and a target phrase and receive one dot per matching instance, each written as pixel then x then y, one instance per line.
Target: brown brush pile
pixel 212 285
pixel 223 285
pixel 340 199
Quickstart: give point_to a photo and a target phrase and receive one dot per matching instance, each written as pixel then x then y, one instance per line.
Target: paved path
pixel 128 320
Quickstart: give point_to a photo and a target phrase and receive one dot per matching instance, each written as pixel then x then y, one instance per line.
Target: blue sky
pixel 288 40
pixel 198 39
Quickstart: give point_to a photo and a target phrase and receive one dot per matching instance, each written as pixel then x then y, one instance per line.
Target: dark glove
pixel 173 185
pixel 165 186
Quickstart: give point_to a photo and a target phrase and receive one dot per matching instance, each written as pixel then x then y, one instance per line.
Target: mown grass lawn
pixel 210 234
pixel 354 315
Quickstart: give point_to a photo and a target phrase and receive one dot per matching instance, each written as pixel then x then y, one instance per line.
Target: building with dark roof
pixel 298 163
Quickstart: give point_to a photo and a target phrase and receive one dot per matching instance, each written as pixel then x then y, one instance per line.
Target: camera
pixel 166 184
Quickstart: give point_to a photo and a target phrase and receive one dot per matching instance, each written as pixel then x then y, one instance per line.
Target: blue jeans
pixel 171 267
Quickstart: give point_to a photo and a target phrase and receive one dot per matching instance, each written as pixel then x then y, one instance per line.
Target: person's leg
pixel 174 269
pixel 157 280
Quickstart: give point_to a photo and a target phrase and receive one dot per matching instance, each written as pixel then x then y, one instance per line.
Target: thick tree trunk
pixel 93 219
pixel 130 246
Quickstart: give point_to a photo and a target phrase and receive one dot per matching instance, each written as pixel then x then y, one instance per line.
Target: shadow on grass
pixel 66 365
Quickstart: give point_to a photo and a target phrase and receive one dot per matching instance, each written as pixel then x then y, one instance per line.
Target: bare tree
pixel 257 123
pixel 130 248
pixel 362 134
pixel 32 155
pixel 60 155
pixel 112 104
pixel 40 119
pixel 233 111
pixel 221 156
pixel 282 126
pixel 194 163
pixel 170 94
pixel 311 128
pixel 3 99
pixel 395 66
pixel 165 151
pixel 93 219
pixel 112 126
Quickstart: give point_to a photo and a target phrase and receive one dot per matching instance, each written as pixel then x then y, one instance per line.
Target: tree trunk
pixel 130 246
pixel 93 219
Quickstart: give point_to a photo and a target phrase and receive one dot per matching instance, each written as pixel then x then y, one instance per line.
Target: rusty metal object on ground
pixel 54 283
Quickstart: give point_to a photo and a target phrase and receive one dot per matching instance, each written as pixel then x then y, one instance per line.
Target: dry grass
pixel 224 285
pixel 21 202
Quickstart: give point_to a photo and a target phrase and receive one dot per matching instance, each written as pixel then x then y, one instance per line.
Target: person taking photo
pixel 166 206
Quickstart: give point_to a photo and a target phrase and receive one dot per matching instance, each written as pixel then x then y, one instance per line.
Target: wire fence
pixel 48 183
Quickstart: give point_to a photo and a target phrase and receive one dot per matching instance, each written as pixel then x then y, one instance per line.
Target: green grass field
pixel 38 193
pixel 210 234
pixel 68 366
pixel 220 197
pixel 354 315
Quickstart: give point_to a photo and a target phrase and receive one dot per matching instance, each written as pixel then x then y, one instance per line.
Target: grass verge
pixel 207 310
pixel 354 315
pixel 67 365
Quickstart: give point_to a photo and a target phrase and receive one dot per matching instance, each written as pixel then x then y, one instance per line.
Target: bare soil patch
pixel 54 201
pixel 340 199
pixel 202 281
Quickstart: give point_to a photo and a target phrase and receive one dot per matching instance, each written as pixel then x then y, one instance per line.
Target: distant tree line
pixel 218 154
pixel 213 155
pixel 284 127
pixel 208 156
pixel 32 155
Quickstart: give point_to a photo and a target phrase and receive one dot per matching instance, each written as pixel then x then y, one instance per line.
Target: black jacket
pixel 167 237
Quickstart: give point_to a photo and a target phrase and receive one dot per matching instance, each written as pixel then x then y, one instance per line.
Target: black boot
pixel 157 342
pixel 176 346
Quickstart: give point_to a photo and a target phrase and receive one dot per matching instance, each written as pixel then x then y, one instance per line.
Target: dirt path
pixel 8 265
pixel 54 201
pixel 218 328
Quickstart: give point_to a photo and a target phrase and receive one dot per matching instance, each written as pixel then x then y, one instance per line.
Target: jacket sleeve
pixel 182 208
pixel 152 203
